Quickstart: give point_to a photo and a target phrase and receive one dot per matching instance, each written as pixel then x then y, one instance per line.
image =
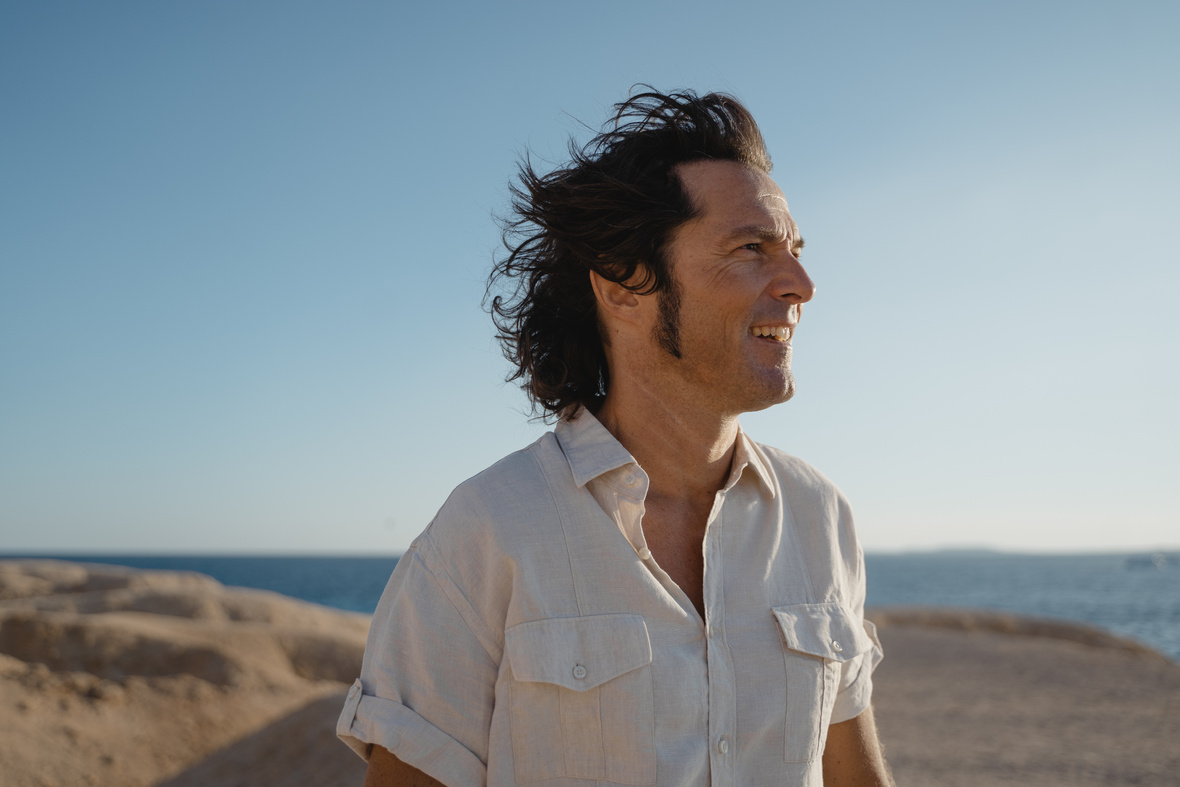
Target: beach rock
pixel 114 676
pixel 298 750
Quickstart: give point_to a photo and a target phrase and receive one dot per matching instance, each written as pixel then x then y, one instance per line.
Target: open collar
pixel 592 451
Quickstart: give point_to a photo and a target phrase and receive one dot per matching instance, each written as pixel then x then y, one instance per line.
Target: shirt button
pixel 644 553
pixel 579 672
pixel 352 692
pixel 723 746
pixel 836 646
pixel 629 479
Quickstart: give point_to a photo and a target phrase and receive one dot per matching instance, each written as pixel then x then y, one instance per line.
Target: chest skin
pixel 674 529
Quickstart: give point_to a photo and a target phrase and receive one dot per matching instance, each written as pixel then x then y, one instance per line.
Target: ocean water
pixel 1135 596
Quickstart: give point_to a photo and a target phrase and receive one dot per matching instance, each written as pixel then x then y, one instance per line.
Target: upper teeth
pixel 778 332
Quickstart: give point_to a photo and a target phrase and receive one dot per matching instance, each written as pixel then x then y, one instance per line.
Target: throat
pixel 675 533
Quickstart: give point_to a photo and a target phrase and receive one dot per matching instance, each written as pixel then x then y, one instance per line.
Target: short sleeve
pixel 856 674
pixel 427 685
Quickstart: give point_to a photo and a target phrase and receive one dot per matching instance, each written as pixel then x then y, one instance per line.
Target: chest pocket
pixel 581 702
pixel 818 639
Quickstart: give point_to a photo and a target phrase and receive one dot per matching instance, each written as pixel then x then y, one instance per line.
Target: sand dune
pixel 110 676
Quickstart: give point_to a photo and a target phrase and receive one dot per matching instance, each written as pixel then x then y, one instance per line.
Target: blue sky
pixel 243 247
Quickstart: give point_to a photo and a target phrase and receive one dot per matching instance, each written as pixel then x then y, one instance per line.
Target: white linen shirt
pixel 529 635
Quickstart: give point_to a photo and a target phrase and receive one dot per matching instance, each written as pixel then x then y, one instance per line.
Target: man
pixel 644 596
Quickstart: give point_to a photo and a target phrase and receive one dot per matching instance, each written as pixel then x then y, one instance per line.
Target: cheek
pixel 713 334
pixel 722 311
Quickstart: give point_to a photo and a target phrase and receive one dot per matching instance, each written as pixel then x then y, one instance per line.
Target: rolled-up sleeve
pixel 427 685
pixel 855 693
pixel 856 680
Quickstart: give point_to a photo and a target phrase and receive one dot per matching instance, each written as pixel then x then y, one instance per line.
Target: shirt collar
pixel 747 454
pixel 592 451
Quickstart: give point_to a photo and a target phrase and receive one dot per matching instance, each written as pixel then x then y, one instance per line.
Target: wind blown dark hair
pixel 612 210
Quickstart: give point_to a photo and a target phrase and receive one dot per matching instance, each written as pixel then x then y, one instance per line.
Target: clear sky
pixel 243 247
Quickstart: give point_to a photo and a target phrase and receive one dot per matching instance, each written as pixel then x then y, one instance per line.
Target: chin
pixel 771 397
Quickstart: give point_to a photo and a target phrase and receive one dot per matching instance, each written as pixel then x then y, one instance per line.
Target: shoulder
pixel 785 464
pixel 499 518
pixel 797 477
pixel 513 491
pixel 819 511
pixel 491 533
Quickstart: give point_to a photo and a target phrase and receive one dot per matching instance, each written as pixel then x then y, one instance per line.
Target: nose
pixel 791 282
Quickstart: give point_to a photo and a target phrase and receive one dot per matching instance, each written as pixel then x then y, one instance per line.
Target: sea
pixel 1132 595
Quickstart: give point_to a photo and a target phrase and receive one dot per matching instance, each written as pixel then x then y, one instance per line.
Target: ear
pixel 616 300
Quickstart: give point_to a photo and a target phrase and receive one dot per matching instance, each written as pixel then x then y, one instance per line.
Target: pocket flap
pixel 826 630
pixel 577 653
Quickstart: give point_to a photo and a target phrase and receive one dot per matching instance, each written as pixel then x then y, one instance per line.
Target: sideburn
pixel 667 330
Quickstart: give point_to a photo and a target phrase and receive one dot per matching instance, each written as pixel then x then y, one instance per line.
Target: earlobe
pixel 615 299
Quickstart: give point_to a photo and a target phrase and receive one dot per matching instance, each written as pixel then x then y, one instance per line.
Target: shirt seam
pixel 796 524
pixel 466 610
pixel 574 582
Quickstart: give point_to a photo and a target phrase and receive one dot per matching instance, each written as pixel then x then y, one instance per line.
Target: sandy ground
pixel 974 704
pixel 117 677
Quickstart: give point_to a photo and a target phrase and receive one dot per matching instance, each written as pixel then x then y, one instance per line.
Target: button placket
pixel 722 691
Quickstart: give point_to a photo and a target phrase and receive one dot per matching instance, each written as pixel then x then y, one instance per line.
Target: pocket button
pixel 836 646
pixel 579 672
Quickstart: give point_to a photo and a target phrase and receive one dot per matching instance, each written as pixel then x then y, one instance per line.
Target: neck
pixel 685 450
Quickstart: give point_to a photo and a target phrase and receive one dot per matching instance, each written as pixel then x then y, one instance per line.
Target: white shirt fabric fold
pixel 529 635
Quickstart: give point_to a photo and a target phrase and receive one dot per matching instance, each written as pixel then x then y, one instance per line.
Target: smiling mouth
pixel 778 333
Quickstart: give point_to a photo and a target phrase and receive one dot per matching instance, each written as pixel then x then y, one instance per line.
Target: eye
pixel 752 246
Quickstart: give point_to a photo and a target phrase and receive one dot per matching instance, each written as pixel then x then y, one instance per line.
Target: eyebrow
pixel 766 233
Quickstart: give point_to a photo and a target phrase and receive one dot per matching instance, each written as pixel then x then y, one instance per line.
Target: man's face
pixel 737 290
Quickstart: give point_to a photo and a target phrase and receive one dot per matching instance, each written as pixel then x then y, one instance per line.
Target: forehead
pixel 732 197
